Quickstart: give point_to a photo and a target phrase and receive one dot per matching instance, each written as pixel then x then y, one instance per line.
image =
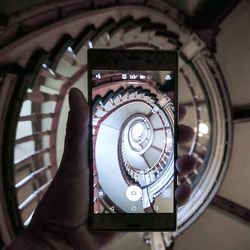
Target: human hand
pixel 60 220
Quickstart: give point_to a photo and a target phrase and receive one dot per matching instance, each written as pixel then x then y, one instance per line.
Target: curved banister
pixel 10 125
pixel 7 85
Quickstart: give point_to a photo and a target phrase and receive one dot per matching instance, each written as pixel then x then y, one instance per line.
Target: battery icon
pixel 124 76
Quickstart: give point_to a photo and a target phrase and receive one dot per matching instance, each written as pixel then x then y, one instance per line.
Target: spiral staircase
pixel 43 54
pixel 137 120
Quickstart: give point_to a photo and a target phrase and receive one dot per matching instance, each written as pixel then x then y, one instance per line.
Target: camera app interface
pixel 133 141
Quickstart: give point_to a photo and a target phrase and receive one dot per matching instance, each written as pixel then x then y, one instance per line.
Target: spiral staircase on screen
pixel 43 54
pixel 129 126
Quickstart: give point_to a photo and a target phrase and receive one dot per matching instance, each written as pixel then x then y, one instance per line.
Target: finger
pixel 182 112
pixel 186 134
pixel 73 172
pixel 65 201
pixel 185 164
pixel 182 193
pixel 76 137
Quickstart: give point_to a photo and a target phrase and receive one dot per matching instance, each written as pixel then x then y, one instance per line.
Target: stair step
pixel 153 27
pixel 105 28
pixel 124 23
pixel 137 23
pixel 107 97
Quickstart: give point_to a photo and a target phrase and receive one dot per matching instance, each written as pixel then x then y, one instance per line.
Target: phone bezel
pixel 141 59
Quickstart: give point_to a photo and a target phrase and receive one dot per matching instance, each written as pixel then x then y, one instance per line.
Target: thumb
pixel 66 199
pixel 76 139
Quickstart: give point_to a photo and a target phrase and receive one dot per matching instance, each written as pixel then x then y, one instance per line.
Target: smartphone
pixel 132 150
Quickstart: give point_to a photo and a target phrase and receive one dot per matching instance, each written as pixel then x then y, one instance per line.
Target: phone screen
pixel 133 141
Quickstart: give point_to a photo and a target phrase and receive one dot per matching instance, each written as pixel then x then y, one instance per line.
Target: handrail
pixel 7 88
pixel 10 125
